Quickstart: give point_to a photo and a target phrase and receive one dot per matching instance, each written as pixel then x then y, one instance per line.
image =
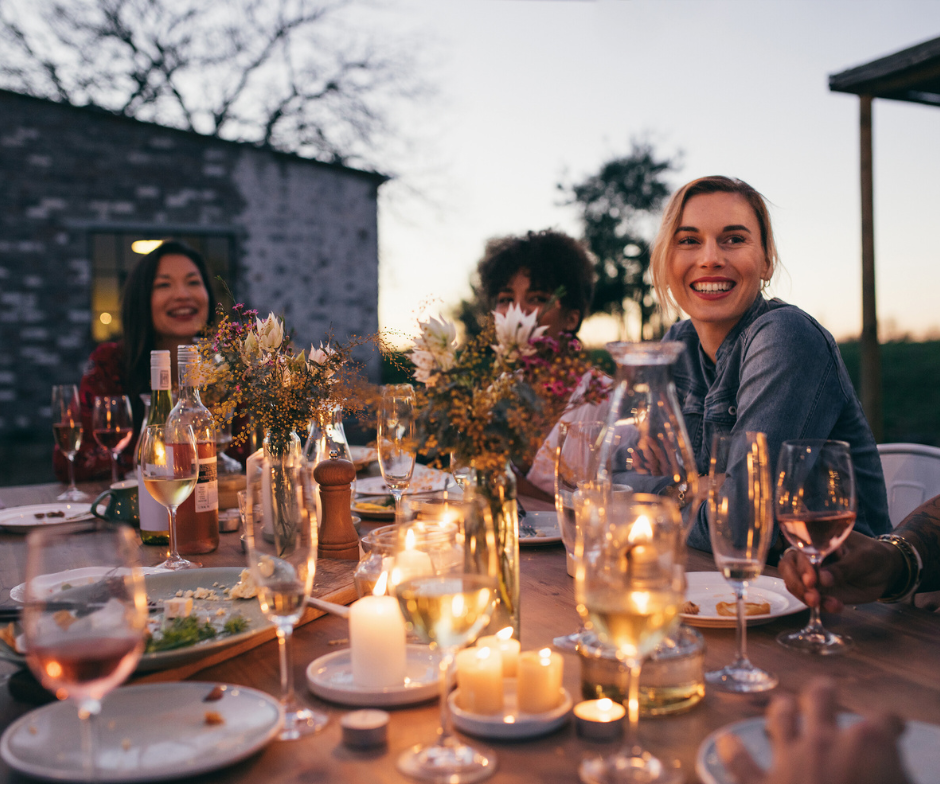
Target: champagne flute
pixel 447 597
pixel 282 559
pixel 816 507
pixel 170 469
pixel 113 427
pixel 629 592
pixel 740 521
pixel 67 428
pixel 459 469
pixel 83 641
pixel 396 440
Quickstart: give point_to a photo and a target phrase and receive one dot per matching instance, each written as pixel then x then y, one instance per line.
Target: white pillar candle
pixel 539 681
pixel 600 719
pixel 507 647
pixel 480 680
pixel 377 642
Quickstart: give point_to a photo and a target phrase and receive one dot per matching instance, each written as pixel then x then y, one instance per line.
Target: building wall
pixel 307 244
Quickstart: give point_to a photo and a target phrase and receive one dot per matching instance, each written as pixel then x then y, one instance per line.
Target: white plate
pixel 546 528
pixel 145 733
pixel 919 745
pixel 52 584
pixel 22 519
pixel 512 723
pixel 363 456
pixel 423 479
pixel 330 677
pixel 387 512
pixel 707 589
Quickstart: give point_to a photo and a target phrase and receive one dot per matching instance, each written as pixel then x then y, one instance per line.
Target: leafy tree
pixel 618 206
pixel 281 73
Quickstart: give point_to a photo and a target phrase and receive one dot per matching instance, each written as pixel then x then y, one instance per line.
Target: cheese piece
pixel 177 607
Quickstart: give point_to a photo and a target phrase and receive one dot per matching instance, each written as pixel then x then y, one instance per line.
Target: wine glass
pixel 459 469
pixel 112 424
pixel 741 524
pixel 282 557
pixel 84 640
pixel 396 440
pixel 447 597
pixel 816 507
pixel 629 593
pixel 67 428
pixel 170 469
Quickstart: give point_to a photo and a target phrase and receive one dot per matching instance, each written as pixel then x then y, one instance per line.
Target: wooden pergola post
pixel 870 349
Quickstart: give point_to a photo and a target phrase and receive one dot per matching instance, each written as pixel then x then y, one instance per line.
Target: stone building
pixel 79 185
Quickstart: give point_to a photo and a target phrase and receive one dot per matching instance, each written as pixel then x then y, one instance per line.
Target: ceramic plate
pixel 363 456
pixel 22 519
pixel 919 744
pixel 330 677
pixel 374 507
pixel 52 584
pixel 512 723
pixel 706 589
pixel 545 525
pixel 423 479
pixel 145 733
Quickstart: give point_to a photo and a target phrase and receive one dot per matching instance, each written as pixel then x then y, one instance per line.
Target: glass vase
pixel 272 489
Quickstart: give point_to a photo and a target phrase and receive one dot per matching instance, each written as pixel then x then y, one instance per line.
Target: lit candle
pixel 377 640
pixel 480 680
pixel 507 647
pixel 600 719
pixel 539 681
pixel 410 562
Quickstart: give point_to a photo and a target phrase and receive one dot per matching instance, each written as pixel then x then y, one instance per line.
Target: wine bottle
pixel 154 518
pixel 197 519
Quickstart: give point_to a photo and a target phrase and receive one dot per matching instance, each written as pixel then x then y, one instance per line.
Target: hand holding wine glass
pixel 815 506
pixel 170 469
pixel 85 640
pixel 67 429
pixel 396 440
pixel 740 520
pixel 112 423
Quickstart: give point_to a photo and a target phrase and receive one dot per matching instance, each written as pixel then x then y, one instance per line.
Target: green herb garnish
pixel 182 632
pixel 237 623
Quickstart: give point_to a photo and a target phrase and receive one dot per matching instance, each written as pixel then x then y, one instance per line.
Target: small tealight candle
pixel 377 640
pixel 600 719
pixel 539 681
pixel 480 680
pixel 410 562
pixel 507 647
pixel 365 728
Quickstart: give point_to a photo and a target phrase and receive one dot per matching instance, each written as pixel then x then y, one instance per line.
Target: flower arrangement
pixel 248 364
pixel 496 398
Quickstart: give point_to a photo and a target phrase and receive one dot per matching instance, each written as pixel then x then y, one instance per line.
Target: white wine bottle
pixel 154 518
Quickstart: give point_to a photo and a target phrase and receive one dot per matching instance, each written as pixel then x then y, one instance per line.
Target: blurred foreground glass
pixel 281 534
pixel 112 423
pixel 629 593
pixel 447 601
pixel 85 640
pixel 67 429
pixel 816 508
pixel 741 524
pixel 395 438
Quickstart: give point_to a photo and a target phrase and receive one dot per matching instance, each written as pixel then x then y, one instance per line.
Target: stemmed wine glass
pixel 112 424
pixel 85 640
pixel 170 469
pixel 67 428
pixel 741 524
pixel 816 507
pixel 447 599
pixel 282 559
pixel 629 592
pixel 396 440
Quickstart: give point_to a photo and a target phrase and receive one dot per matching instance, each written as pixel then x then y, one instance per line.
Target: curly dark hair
pixel 551 259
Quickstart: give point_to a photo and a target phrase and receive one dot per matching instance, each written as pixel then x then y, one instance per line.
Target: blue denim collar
pixel 754 311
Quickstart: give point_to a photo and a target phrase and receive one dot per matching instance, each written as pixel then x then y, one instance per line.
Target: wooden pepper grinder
pixel 338 537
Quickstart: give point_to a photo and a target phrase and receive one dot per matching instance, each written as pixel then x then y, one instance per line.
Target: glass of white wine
pixel 84 640
pixel 282 559
pixel 395 437
pixel 112 423
pixel 447 597
pixel 629 593
pixel 741 524
pixel 170 469
pixel 67 428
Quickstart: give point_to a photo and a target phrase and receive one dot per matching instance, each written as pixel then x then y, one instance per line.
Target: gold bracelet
pixel 913 563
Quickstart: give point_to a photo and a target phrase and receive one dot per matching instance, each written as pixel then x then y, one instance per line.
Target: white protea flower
pixel 270 332
pixel 515 331
pixel 320 355
pixel 434 349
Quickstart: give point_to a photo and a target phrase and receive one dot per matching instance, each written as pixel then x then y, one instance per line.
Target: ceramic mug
pixel 123 506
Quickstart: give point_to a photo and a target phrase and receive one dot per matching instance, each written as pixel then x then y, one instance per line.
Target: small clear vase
pixel 274 489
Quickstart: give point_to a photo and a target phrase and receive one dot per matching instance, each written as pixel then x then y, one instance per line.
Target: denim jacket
pixel 778 372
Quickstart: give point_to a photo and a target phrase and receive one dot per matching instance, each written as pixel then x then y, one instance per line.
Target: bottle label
pixel 160 378
pixel 206 495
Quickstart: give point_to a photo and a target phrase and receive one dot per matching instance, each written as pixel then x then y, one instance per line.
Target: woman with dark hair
pixel 165 304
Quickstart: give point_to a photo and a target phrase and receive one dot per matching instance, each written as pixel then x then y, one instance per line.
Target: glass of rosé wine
pixel 815 507
pixel 113 426
pixel 67 428
pixel 82 641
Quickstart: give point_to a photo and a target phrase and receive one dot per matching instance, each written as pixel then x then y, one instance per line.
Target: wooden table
pixel 895 667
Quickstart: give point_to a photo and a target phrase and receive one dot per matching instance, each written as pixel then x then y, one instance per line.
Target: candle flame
pixel 545 657
pixel 483 653
pixel 380 585
pixel 605 704
pixel 410 539
pixel 504 634
pixel 641 531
